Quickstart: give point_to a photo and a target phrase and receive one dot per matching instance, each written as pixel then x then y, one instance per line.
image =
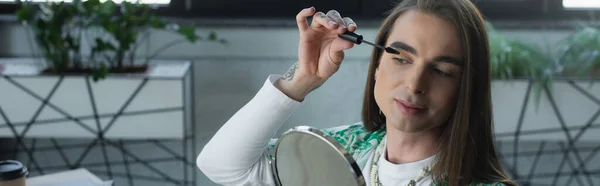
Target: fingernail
pixel 332 23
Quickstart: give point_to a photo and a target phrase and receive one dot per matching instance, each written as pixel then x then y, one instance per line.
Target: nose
pixel 416 82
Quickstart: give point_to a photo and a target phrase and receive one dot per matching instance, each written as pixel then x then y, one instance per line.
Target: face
pixel 417 89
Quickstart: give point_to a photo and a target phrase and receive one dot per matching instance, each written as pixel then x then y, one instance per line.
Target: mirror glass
pixel 306 156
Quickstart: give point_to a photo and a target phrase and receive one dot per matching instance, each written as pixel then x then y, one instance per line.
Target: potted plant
pixel 111 34
pixel 516 60
pixel 521 71
pixel 85 41
pixel 113 31
pixel 580 53
pixel 564 109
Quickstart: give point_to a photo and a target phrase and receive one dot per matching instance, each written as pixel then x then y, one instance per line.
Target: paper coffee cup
pixel 12 173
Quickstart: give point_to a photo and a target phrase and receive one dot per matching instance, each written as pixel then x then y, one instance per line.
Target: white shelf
pixel 33 66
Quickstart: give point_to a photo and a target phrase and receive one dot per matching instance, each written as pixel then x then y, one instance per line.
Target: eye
pixel 441 72
pixel 400 60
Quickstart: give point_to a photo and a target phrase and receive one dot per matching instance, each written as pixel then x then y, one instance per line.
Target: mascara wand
pixel 358 39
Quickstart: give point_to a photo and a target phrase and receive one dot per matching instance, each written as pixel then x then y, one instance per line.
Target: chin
pixel 407 126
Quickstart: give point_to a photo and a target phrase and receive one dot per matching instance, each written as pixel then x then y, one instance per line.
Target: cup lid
pixel 11 170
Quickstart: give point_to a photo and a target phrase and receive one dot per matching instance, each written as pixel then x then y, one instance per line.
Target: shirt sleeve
pixel 238 153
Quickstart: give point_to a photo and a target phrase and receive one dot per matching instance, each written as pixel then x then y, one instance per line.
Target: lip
pixel 410 108
pixel 411 105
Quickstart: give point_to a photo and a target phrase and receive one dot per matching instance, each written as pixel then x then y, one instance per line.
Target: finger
pixel 340 44
pixel 336 51
pixel 320 20
pixel 301 18
pixel 335 16
pixel 350 24
pixel 337 57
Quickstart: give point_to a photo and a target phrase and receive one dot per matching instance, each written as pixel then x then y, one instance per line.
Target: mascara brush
pixel 358 39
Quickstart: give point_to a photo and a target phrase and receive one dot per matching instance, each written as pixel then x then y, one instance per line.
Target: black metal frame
pixel 571 150
pixel 186 158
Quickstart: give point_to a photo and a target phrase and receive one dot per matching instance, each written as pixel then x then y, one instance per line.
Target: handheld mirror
pixel 305 156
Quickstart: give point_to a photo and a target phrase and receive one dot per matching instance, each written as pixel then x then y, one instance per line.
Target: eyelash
pixel 400 60
pixel 438 71
pixel 442 73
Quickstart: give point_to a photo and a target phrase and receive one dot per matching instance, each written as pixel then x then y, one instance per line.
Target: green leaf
pixel 223 41
pixel 104 46
pixel 157 23
pixel 100 73
pixel 110 27
pixel 91 5
pixel 513 58
pixel 212 36
pixel 127 8
pixel 107 8
pixel 69 41
pixel 24 13
pixel 189 32
pixel 581 50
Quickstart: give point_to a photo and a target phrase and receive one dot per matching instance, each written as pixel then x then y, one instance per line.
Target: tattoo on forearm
pixel 289 75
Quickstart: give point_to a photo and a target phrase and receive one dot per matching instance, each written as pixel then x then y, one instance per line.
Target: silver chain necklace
pixel 425 171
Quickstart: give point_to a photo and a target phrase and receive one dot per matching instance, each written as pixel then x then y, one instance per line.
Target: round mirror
pixel 306 156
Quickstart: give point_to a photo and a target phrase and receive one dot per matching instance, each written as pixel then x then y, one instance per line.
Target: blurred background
pixel 132 92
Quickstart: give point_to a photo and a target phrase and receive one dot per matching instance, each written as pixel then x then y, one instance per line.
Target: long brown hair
pixel 466 151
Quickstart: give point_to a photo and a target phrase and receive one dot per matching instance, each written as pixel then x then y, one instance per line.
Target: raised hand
pixel 320 51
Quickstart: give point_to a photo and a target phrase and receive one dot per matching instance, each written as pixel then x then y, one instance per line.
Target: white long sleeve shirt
pixel 236 154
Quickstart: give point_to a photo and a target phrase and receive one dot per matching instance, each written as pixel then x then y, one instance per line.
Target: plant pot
pixel 152 104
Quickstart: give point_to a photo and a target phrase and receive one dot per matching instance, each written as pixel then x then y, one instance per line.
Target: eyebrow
pixel 449 59
pixel 404 46
pixel 410 49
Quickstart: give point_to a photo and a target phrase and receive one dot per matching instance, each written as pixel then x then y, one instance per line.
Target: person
pixel 426 116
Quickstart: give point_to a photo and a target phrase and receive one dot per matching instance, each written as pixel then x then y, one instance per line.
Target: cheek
pixel 385 79
pixel 382 87
pixel 445 95
pixel 388 71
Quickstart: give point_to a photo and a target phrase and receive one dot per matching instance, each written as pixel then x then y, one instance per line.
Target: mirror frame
pixel 354 169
